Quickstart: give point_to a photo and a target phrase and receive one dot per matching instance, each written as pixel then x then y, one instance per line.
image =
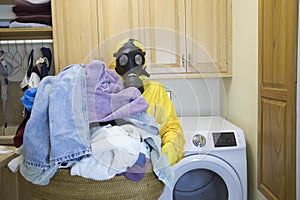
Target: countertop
pixel 5 158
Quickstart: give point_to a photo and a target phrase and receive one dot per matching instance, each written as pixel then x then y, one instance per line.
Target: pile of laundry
pixel 84 119
pixel 31 14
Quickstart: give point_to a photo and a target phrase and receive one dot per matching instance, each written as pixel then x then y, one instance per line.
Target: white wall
pixel 6 12
pixel 241 91
pixel 194 97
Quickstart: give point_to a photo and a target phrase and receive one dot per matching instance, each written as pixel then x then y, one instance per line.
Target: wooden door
pixel 277 98
pixel 75 32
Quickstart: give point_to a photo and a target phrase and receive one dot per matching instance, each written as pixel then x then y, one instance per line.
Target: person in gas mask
pixel 130 64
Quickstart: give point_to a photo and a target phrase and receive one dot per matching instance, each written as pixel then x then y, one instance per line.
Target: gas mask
pixel 130 61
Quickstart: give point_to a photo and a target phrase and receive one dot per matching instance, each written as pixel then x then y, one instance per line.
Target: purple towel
pixel 107 98
pixel 136 172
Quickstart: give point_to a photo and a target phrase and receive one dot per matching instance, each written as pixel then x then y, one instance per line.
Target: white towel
pixel 4 150
pixel 113 150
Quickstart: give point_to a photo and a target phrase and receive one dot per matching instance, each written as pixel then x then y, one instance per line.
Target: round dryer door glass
pixel 200 184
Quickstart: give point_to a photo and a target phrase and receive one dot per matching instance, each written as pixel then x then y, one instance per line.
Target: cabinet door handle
pixel 189 60
pixel 183 60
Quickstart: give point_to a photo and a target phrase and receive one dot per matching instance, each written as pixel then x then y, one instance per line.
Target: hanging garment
pixel 28 98
pixel 5 71
pixel 18 138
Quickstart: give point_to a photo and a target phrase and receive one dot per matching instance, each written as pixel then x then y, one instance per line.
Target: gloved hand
pixel 170 151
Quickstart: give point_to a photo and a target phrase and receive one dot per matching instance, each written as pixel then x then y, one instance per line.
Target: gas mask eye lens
pixel 138 59
pixel 123 60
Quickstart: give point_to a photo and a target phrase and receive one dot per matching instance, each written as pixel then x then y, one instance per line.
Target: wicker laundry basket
pixel 63 186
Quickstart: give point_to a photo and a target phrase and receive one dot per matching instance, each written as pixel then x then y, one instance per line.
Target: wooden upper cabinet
pixel 208 31
pixel 117 21
pixel 75 32
pixel 189 37
pixel 158 25
pixel 164 39
pixel 180 36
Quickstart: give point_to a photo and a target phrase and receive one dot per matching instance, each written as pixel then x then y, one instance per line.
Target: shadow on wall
pixel 195 97
pixel 14 107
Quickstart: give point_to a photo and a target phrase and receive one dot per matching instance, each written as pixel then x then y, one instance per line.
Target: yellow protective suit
pixel 161 107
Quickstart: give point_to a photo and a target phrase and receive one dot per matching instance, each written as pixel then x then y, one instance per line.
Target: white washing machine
pixel 214 166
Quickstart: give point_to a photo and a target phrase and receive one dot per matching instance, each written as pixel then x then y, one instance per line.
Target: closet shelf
pixel 7 2
pixel 25 33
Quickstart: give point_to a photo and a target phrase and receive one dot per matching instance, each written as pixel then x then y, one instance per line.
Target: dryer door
pixel 204 177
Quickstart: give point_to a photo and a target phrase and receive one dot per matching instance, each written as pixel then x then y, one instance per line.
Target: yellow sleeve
pixel 162 108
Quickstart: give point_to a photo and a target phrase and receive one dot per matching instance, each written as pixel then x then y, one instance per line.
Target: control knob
pixel 199 140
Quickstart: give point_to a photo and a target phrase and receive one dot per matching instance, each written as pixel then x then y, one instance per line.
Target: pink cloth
pixel 107 98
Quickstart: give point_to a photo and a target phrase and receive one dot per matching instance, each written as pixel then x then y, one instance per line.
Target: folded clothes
pixel 4 24
pixel 22 6
pixel 35 13
pixel 27 25
pixel 37 1
pixel 42 19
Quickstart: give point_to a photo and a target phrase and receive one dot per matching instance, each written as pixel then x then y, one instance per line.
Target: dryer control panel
pixel 224 139
pixel 212 134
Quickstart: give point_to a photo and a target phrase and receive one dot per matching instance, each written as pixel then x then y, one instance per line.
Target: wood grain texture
pixel 277 98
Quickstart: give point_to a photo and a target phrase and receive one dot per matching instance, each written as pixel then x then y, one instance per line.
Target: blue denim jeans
pixel 142 120
pixel 58 129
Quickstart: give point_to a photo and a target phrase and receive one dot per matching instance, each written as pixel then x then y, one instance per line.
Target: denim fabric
pixel 58 128
pixel 107 98
pixel 68 114
pixel 37 175
pixel 160 163
pixel 36 138
pixel 142 120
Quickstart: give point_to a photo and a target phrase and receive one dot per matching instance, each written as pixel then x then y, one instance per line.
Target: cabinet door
pixel 208 36
pixel 74 32
pixel 117 21
pixel 164 23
